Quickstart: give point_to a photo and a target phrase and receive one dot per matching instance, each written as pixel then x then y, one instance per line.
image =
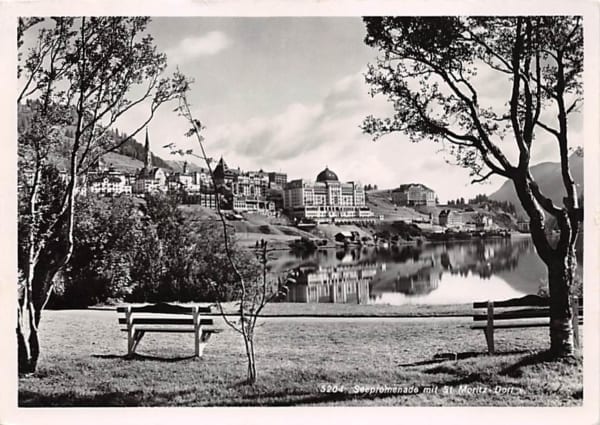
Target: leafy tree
pixel 430 68
pixel 139 252
pixel 86 73
pixel 108 234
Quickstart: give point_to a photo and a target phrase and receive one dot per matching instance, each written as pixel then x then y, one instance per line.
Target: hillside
pixel 380 203
pixel 134 150
pixel 177 165
pixel 548 176
pixel 128 157
pixel 122 163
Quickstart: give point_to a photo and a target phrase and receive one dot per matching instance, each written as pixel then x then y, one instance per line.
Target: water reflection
pixel 433 274
pixel 340 284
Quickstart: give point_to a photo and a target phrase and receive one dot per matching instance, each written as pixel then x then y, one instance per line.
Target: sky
pixel 288 94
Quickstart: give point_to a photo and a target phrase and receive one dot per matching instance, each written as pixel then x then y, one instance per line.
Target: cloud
pixel 208 44
pixel 300 129
pixel 304 138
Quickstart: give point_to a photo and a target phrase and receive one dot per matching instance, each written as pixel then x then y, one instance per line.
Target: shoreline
pixel 332 311
pixel 281 243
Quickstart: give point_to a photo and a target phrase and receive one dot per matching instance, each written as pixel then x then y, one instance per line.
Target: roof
pixel 327 175
pixel 100 179
pixel 220 169
pixel 405 187
pixel 148 173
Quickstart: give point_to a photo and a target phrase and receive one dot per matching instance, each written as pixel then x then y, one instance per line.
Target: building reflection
pixel 412 278
pixel 346 284
pixel 370 274
pixel 423 282
pixel 484 260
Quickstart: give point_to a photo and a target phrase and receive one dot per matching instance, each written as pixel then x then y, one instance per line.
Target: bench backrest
pixel 527 307
pixel 163 314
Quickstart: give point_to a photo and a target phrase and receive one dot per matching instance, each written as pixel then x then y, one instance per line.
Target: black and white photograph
pixel 381 209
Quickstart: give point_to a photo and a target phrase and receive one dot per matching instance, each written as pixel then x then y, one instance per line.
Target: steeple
pixel 148 158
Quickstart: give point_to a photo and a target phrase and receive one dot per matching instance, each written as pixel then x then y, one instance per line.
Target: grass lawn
pixel 306 361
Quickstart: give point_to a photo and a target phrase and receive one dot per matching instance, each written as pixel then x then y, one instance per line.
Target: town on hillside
pixel 350 212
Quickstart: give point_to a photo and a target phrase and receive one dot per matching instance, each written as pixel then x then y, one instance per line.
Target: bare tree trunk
pixel 251 360
pixel 560 279
pixel 561 264
pixel 27 335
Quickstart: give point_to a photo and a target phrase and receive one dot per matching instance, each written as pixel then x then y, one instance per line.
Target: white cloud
pixel 304 138
pixel 208 44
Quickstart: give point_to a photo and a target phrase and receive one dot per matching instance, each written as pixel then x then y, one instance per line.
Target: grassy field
pixel 342 361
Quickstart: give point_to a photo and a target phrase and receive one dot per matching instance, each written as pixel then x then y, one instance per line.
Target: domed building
pixel 327 175
pixel 326 200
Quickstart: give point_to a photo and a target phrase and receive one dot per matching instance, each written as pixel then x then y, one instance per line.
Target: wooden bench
pixel 528 311
pixel 164 317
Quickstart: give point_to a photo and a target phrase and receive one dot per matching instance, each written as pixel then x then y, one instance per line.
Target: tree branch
pixel 483 178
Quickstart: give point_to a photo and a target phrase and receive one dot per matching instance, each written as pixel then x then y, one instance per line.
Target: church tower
pixel 148 158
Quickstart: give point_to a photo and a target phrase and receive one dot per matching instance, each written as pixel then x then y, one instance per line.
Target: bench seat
pixel 182 330
pixel 166 318
pixel 527 312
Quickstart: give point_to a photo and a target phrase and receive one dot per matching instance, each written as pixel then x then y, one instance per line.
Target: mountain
pixel 129 157
pixel 549 179
pixel 177 165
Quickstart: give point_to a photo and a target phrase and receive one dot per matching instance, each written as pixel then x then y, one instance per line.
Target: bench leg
pixel 201 343
pixel 137 337
pixel 489 338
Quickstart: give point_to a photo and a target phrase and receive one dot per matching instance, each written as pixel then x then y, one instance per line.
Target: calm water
pixel 433 274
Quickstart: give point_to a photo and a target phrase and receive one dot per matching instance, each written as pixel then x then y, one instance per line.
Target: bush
pixel 145 253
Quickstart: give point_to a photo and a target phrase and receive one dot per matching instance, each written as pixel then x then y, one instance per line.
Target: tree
pixel 86 73
pixel 432 68
pixel 252 290
pixel 142 251
pixel 109 235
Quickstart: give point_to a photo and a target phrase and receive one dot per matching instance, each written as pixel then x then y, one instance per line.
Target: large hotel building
pixel 326 200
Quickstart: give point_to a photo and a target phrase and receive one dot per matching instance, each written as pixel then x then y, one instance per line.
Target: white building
pixel 110 182
pixel 413 194
pixel 326 200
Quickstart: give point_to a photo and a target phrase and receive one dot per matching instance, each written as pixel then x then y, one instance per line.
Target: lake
pixel 448 273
